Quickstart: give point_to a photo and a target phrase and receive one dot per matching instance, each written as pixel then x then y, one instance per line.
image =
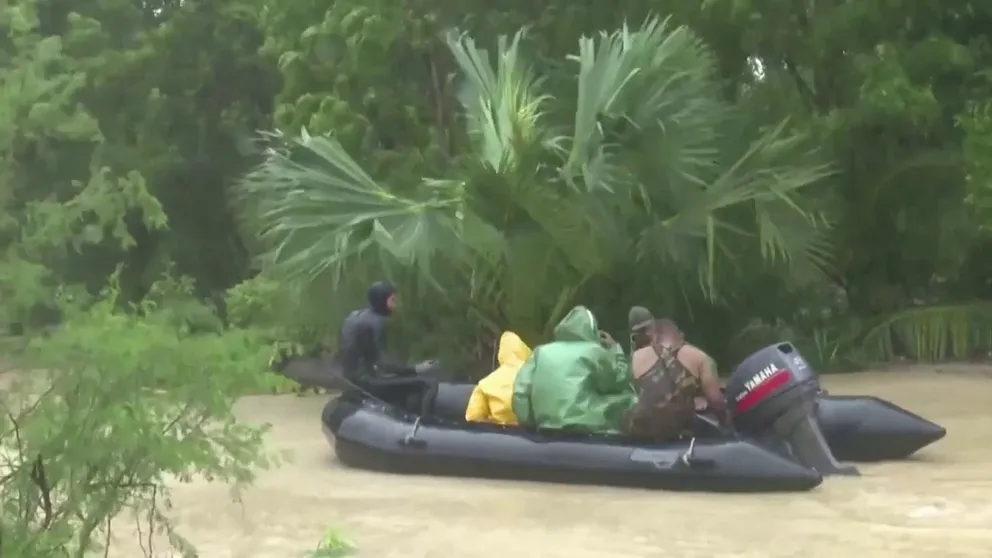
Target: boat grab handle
pixel 411 440
pixel 689 460
pixel 686 458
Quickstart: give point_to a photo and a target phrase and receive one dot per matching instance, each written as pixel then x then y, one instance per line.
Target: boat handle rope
pixel 411 438
pixel 686 458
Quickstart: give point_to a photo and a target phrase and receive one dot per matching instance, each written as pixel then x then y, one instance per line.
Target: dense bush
pixel 115 406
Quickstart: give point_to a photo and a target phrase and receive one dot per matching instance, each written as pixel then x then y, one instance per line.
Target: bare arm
pixel 710 384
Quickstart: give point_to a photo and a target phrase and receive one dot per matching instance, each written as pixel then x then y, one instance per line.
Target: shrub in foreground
pixel 115 408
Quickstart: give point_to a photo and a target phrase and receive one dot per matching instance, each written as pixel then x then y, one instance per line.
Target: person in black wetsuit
pixel 364 361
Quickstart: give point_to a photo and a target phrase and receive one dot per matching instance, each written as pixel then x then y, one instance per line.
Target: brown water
pixel 938 504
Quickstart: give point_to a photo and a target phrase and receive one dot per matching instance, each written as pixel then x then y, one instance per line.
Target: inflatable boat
pixel 856 428
pixel 776 444
pixel 376 435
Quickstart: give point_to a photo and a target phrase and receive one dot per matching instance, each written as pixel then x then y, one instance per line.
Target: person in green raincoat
pixel 579 382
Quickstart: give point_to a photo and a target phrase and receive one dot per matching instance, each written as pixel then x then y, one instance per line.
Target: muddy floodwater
pixel 938 504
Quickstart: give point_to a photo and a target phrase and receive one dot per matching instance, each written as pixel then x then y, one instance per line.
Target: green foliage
pixel 272 312
pixel 889 89
pixel 333 545
pixel 386 97
pixel 823 329
pixel 115 406
pixel 113 402
pixel 932 333
pixel 161 101
pixel 45 232
pixel 536 211
pixel 977 125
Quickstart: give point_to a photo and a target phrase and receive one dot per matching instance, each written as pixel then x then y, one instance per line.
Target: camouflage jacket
pixel 665 407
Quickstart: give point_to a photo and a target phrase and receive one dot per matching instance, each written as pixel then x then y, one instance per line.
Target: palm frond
pixel 505 113
pixel 762 180
pixel 315 209
pixel 503 105
pixel 651 78
pixel 798 239
pixel 932 333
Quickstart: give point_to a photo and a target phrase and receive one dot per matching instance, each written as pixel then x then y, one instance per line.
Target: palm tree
pixel 638 159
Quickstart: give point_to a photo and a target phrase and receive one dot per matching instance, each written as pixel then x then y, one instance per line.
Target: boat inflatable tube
pixel 864 428
pixel 374 434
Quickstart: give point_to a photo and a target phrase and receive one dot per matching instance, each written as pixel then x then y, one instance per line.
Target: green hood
pixel 575 382
pixel 578 325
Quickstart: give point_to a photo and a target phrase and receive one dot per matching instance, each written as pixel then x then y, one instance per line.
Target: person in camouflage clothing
pixel 668 375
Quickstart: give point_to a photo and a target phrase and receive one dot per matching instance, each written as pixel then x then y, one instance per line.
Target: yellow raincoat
pixel 492 398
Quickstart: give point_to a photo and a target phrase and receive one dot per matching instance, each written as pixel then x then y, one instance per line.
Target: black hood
pixel 379 293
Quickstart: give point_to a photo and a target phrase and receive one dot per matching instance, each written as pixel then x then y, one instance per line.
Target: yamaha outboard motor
pixel 773 392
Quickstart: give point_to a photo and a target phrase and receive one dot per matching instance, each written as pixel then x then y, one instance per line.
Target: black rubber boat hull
pixel 857 428
pixel 865 428
pixel 374 436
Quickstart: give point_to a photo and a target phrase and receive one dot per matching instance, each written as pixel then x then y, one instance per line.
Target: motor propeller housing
pixel 772 396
